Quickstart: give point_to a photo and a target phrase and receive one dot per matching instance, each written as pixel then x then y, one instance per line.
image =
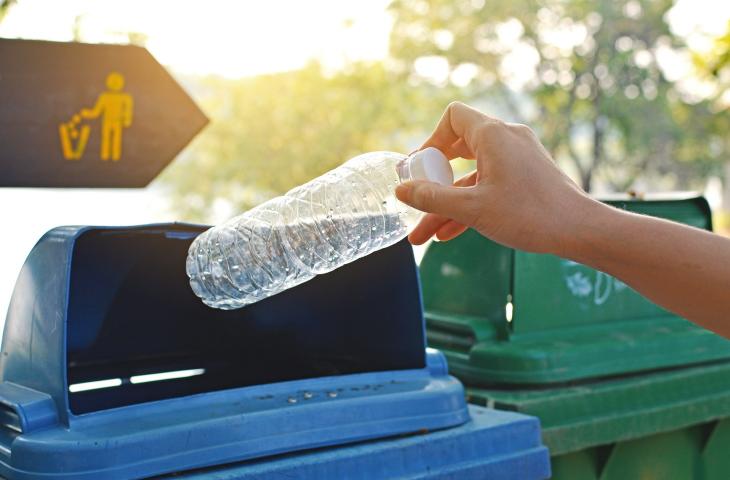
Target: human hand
pixel 517 196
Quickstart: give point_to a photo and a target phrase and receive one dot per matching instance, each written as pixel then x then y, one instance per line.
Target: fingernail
pixel 414 240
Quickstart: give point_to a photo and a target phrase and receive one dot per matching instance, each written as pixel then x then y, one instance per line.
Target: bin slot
pixel 131 314
pixel 9 419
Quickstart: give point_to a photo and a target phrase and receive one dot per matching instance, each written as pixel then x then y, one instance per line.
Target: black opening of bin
pixel 137 333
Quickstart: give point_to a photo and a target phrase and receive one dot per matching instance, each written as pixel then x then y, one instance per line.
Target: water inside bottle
pixel 295 255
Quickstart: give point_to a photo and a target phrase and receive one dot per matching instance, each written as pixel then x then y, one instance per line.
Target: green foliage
pixel 271 133
pixel 5 6
pixel 594 92
pixel 597 97
pixel 718 58
pixel 715 66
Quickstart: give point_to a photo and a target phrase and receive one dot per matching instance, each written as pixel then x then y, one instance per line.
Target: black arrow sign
pixel 81 115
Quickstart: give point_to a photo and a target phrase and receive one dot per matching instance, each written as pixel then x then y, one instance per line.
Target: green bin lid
pixel 504 316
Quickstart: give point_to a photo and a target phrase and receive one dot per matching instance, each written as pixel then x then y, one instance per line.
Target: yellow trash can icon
pixel 114 107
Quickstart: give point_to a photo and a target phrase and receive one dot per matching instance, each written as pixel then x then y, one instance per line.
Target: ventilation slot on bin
pixel 9 421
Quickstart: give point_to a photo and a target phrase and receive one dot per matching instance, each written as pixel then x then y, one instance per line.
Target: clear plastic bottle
pixel 332 220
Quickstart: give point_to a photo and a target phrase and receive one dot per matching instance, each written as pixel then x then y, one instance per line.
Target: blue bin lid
pixel 112 368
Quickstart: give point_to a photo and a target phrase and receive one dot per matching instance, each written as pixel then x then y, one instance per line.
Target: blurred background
pixel 628 95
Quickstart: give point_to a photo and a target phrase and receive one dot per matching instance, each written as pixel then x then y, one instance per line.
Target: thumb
pixel 448 201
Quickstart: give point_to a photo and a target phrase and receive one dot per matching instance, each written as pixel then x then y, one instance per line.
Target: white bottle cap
pixel 431 165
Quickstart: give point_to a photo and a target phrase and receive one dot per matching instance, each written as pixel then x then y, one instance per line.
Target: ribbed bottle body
pixel 315 228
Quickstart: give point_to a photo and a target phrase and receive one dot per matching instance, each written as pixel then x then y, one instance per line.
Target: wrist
pixel 587 232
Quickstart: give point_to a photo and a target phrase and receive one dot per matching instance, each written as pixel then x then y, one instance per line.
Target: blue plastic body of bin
pixel 495 445
pixel 112 368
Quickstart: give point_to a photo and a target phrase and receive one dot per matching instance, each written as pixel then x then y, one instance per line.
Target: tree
pixel 587 74
pixel 717 60
pixel 5 6
pixel 273 132
pixel 715 65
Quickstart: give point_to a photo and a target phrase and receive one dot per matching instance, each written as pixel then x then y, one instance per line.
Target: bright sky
pixel 229 38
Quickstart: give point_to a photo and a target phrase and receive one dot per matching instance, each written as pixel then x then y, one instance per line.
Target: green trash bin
pixel 623 388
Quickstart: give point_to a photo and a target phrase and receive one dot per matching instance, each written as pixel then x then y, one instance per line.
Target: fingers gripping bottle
pixel 315 228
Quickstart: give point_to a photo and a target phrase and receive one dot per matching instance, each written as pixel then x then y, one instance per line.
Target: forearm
pixel 683 269
pixel 519 198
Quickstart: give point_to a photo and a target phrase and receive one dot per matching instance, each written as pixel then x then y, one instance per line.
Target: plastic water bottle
pixel 332 220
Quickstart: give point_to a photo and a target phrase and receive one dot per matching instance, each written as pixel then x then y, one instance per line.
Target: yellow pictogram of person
pixel 114 107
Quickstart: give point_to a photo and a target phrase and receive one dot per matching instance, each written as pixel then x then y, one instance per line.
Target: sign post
pixel 82 115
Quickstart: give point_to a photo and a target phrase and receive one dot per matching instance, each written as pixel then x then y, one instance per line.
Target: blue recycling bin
pixel 112 368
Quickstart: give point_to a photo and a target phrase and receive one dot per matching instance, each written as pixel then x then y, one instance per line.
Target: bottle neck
pixel 428 164
pixel 403 169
